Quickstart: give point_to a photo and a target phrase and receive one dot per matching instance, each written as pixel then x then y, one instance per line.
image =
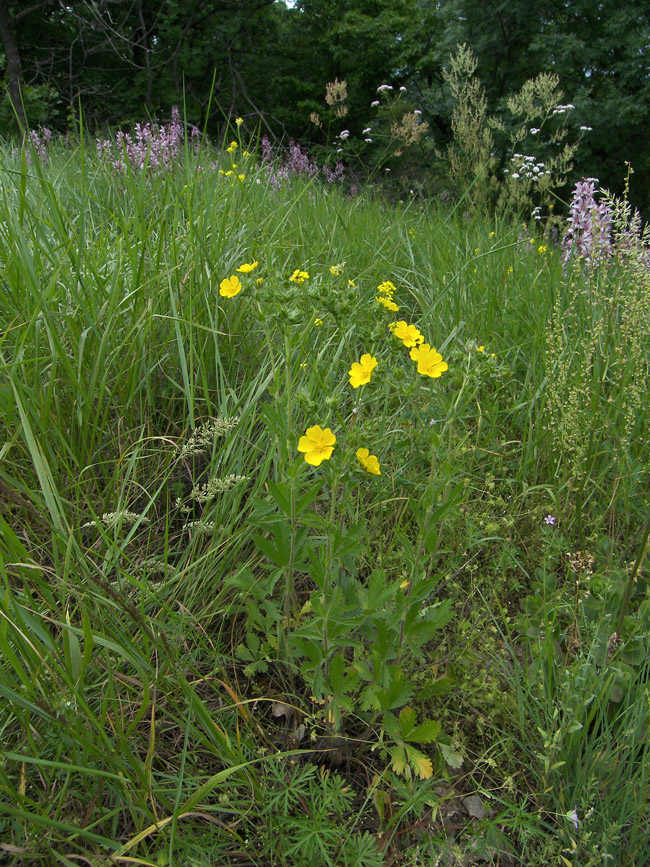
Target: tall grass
pixel 170 682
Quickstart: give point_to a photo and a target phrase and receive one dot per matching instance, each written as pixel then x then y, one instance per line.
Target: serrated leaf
pixel 337 672
pixel 425 733
pixel 308 498
pixel 420 763
pixel 281 493
pixel 407 719
pixel 398 693
pixel 453 758
pixel 398 757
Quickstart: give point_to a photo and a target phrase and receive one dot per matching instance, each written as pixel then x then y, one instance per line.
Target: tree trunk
pixel 13 64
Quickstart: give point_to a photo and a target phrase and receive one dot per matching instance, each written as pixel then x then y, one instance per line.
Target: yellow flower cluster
pixel 428 359
pixel 368 462
pixel 408 334
pixel 317 446
pixel 337 270
pixel 231 286
pixel 299 277
pixel 385 297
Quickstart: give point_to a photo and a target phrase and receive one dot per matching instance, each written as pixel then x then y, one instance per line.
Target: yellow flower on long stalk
pixel 429 361
pixel 368 462
pixel 230 287
pixel 247 267
pixel 408 334
pixel 317 445
pixel 361 370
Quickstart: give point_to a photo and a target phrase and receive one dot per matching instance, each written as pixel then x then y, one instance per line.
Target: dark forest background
pixel 118 61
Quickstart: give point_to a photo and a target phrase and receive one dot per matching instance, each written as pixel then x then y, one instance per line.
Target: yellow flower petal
pixel 230 287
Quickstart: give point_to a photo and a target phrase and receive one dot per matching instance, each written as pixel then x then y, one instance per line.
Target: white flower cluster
pixel 205 434
pixel 344 134
pixel 207 492
pixel 562 109
pixel 199 526
pixel 111 519
pixel 526 167
pixel 586 128
pixel 384 87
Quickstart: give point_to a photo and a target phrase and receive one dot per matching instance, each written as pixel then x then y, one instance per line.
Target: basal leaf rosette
pixel 317 445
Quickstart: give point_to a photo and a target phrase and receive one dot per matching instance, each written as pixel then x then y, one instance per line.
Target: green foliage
pixel 212 644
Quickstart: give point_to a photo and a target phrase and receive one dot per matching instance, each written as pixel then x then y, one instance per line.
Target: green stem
pixel 643 550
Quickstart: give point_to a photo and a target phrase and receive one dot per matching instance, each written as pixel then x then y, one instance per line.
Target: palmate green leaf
pixel 407 718
pixel 342 678
pixel 347 541
pixel 399 693
pixel 420 763
pixel 281 493
pixel 425 733
pixel 398 759
pixel 277 548
pixel 452 756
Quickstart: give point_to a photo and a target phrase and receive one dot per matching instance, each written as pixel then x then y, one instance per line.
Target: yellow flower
pixel 317 445
pixel 352 284
pixel 387 303
pixel 492 234
pixel 299 277
pixel 337 270
pixel 368 462
pixel 230 287
pixel 317 322
pixel 232 147
pixel 387 288
pixel 361 370
pixel 260 280
pixel 241 177
pixel 542 249
pixel 429 361
pixel 408 334
pixel 245 153
pixel 246 268
pixel 239 121
pixel 481 348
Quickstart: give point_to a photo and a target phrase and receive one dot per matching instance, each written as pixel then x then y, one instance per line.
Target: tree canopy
pixel 269 62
